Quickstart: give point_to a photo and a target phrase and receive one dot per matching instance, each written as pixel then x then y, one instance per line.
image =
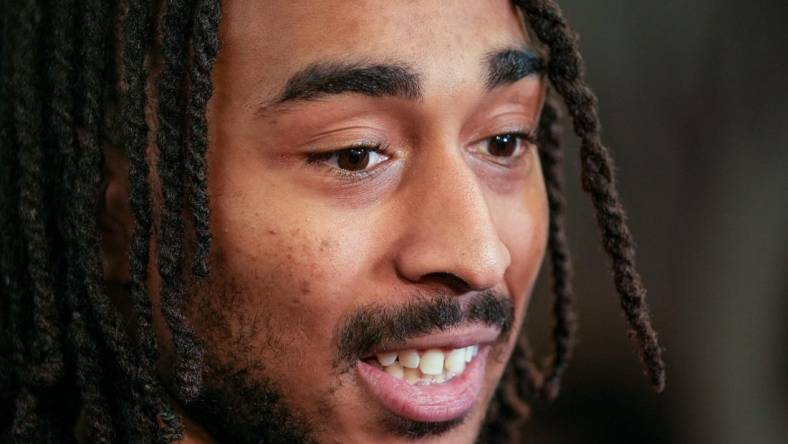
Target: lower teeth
pixel 414 376
pixel 429 379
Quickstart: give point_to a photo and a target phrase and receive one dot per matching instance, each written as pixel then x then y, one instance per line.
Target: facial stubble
pixel 240 403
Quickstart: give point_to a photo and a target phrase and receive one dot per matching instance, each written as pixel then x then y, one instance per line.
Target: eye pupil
pixel 503 145
pixel 354 159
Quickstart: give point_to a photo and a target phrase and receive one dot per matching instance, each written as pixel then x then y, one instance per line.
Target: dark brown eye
pixel 353 159
pixel 357 160
pixel 505 145
pixel 505 149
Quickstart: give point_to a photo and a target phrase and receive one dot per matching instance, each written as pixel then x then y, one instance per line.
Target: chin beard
pixel 414 430
pixel 238 404
pixel 234 408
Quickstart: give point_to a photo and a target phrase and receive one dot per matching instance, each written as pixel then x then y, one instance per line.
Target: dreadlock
pixel 170 165
pixel 47 356
pixel 60 332
pixel 523 381
pixel 60 335
pixel 565 71
pixel 84 353
pixel 137 26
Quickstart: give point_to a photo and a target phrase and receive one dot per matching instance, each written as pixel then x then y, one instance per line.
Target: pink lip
pixel 427 403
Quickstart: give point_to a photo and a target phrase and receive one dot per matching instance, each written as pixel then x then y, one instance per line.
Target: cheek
pixel 281 271
pixel 523 228
pixel 282 266
pixel 275 271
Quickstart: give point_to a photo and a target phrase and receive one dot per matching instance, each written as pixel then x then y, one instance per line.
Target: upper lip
pixel 453 338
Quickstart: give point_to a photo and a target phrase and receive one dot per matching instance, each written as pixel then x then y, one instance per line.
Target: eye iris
pixel 354 159
pixel 503 145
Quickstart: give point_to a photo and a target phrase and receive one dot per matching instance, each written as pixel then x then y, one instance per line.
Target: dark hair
pixel 70 71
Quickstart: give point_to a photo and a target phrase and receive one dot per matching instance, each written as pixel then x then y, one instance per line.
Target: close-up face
pixel 377 221
pixel 238 221
pixel 379 218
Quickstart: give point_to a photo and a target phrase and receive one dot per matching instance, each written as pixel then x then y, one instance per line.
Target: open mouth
pixel 425 367
pixel 434 379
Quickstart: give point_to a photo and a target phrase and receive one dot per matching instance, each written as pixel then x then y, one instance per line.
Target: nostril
pixel 449 280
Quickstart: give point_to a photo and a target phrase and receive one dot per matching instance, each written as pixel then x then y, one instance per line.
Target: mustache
pixel 378 325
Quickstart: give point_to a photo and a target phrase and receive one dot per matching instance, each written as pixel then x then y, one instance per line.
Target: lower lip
pixel 427 403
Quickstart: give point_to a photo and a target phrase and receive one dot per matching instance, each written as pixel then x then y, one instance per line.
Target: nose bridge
pixel 449 227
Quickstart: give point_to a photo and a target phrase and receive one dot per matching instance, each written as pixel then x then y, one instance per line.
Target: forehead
pixel 269 40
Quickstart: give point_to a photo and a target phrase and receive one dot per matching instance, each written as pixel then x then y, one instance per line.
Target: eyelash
pixel 525 137
pixel 317 158
pixel 528 137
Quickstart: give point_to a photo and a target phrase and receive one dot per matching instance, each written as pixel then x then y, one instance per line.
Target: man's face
pixel 423 240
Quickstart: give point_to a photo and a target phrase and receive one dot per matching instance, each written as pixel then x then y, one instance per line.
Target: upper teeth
pixel 432 365
pixel 432 362
pixel 407 358
pixel 387 358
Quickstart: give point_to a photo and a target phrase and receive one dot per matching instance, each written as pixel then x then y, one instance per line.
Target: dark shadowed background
pixel 694 103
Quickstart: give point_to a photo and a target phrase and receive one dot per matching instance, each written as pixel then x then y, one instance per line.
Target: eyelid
pixel 318 160
pixel 321 155
pixel 370 144
pixel 527 136
pixel 526 140
pixel 518 130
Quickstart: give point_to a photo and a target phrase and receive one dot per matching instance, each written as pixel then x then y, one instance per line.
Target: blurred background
pixel 694 103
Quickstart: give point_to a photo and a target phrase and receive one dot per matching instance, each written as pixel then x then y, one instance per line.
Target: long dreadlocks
pixel 62 338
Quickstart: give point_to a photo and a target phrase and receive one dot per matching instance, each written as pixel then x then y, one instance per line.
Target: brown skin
pixel 297 247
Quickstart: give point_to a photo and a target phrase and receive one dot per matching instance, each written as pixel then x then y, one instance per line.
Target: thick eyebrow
pixel 323 79
pixel 374 80
pixel 509 65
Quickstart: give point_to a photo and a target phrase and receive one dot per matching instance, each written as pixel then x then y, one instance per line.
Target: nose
pixel 448 230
